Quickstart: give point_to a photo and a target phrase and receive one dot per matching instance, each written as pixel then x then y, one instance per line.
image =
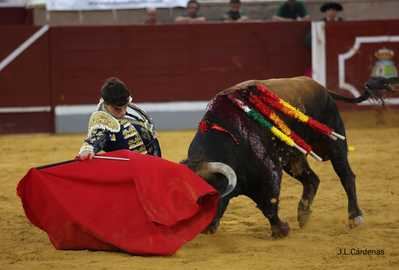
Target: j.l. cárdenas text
pixel 359 252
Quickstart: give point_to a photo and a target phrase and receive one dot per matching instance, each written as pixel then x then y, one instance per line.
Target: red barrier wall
pixel 172 62
pixel 168 62
pixel 25 82
pixel 26 122
pixel 16 15
pixel 160 63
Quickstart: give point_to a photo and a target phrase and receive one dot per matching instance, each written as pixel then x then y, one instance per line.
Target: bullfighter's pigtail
pixel 270 98
pixel 264 123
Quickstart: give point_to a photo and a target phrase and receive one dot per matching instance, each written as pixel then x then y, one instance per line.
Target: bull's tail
pixel 374 88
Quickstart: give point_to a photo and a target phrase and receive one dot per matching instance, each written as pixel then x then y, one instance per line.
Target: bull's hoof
pixel 356 222
pixel 212 228
pixel 280 231
pixel 303 218
pixel 304 214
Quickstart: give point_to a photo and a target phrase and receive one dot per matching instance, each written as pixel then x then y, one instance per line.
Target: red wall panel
pixel 172 62
pixel 340 38
pixel 16 15
pixel 13 36
pixel 25 81
pixel 26 122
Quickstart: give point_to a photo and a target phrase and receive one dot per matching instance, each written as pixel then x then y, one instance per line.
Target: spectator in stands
pixel 234 14
pixel 330 10
pixel 191 14
pixel 291 10
pixel 151 16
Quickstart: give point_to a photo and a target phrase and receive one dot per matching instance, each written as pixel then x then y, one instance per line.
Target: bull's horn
pixel 227 171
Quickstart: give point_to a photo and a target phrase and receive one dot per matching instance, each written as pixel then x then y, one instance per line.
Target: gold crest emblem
pixel 384 66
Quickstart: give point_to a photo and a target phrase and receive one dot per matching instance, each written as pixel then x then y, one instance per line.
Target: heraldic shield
pixel 144 205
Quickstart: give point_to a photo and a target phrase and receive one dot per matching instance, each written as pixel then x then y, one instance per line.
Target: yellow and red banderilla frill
pixel 271 99
pixel 264 103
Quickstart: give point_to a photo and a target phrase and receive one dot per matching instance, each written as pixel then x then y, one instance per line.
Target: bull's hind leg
pixel 300 170
pixel 339 160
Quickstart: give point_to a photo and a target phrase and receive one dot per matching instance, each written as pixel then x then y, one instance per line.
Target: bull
pixel 229 144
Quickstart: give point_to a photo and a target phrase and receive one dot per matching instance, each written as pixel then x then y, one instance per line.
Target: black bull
pixel 258 158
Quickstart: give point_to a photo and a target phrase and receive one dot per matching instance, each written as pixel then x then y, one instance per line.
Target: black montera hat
pixel 331 5
pixel 115 92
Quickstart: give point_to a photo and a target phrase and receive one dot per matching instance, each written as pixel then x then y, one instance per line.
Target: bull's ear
pixel 193 164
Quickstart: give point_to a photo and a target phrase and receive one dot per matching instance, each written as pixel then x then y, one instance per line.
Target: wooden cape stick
pixel 73 160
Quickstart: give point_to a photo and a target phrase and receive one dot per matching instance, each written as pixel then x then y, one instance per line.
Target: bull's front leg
pixel 267 199
pixel 213 227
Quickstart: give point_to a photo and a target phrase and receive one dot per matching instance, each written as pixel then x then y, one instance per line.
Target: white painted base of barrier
pixel 166 115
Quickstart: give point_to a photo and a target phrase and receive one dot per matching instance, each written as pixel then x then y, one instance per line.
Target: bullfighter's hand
pixel 86 152
pixel 86 155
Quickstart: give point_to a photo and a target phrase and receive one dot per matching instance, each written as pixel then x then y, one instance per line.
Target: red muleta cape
pixel 146 206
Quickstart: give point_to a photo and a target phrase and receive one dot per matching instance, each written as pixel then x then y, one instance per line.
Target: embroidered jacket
pixel 134 132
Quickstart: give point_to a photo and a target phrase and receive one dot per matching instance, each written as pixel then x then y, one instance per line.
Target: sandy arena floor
pixel 243 240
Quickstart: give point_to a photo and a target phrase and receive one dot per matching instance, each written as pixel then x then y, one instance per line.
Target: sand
pixel 243 240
